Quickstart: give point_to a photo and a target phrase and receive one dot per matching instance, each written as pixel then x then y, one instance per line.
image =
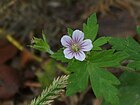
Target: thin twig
pixel 21 48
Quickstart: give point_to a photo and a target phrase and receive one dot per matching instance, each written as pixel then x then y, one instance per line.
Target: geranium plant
pixel 88 63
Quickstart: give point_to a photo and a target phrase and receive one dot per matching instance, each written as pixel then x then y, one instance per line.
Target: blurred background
pixel 24 72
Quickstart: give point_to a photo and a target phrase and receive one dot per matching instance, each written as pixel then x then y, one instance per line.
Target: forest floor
pixel 25 71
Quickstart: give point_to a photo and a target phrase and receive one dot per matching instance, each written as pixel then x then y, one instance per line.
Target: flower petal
pixel 80 56
pixel 77 36
pixel 86 45
pixel 66 41
pixel 68 53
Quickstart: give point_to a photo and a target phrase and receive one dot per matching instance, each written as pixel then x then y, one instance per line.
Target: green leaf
pixel 107 58
pixel 129 91
pixel 91 27
pixel 59 56
pixel 130 88
pixel 102 81
pixel 138 30
pixel 78 80
pixel 128 45
pixel 135 65
pixel 103 84
pixel 130 79
pixel 101 41
pixel 96 48
pixel 70 31
pixel 41 44
pixel 130 95
pixel 118 43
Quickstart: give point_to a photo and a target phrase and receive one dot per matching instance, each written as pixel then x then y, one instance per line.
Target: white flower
pixel 76 45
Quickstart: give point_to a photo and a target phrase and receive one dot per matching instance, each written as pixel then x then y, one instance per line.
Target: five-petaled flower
pixel 76 45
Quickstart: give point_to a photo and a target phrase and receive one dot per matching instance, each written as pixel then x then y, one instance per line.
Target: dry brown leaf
pixel 9 82
pixel 7 51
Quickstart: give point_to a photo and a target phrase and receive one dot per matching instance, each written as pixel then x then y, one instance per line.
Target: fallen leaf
pixel 7 51
pixel 9 82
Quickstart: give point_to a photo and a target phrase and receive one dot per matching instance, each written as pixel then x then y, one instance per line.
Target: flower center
pixel 75 47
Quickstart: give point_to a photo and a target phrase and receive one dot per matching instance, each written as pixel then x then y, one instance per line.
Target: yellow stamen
pixel 75 47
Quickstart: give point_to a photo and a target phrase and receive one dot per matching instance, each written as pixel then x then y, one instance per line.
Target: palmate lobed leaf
pixel 103 82
pixel 129 46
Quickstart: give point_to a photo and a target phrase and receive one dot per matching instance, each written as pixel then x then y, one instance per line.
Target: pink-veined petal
pixel 68 53
pixel 80 56
pixel 86 45
pixel 66 41
pixel 77 36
